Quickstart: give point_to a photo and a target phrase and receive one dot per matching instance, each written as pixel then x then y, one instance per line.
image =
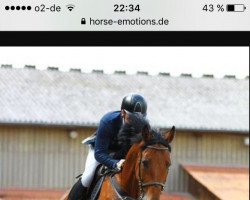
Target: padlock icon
pixel 83 21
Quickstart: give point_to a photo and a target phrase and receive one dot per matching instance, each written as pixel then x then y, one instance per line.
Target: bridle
pixel 123 195
pixel 141 183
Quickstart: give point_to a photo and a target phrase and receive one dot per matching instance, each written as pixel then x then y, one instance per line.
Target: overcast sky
pixel 175 60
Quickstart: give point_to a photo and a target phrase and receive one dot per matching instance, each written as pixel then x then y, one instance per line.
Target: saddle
pixel 100 175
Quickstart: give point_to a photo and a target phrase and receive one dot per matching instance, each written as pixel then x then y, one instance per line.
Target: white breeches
pixel 90 167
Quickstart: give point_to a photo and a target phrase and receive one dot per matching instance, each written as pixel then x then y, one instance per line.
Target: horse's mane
pixel 127 136
pixel 157 139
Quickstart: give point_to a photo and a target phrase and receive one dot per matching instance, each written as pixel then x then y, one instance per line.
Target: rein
pixel 118 190
pixel 122 195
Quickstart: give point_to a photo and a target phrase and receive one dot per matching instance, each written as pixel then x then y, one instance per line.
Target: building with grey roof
pixel 40 109
pixel 52 97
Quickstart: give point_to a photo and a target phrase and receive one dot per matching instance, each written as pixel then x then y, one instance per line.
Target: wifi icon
pixel 70 7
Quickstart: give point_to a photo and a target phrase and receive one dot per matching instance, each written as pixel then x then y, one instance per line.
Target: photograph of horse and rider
pixel 72 134
pixel 135 147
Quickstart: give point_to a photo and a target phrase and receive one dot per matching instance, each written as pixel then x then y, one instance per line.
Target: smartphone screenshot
pixel 114 15
pixel 139 100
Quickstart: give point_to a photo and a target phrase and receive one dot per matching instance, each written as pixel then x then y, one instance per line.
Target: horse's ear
pixel 146 135
pixel 169 135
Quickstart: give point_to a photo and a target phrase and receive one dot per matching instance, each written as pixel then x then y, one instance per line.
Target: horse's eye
pixel 168 163
pixel 145 162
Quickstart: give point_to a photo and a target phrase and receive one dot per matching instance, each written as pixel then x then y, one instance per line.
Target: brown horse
pixel 145 170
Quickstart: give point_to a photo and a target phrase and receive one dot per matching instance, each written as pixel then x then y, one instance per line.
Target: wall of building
pixel 45 157
pixel 40 157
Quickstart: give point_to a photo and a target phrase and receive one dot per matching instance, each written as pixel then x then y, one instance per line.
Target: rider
pixel 104 141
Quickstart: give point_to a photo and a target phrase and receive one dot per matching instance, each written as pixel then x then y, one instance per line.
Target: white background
pixel 175 60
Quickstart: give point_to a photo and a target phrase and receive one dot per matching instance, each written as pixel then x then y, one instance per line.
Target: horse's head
pixel 147 160
pixel 153 162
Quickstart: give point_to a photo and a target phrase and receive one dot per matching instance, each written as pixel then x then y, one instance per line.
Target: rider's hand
pixel 119 164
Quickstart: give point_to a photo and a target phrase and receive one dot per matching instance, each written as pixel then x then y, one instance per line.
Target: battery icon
pixel 236 7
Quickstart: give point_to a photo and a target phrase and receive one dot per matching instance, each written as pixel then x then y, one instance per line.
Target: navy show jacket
pixel 106 138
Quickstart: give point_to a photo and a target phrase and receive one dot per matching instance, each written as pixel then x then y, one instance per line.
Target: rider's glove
pixel 119 164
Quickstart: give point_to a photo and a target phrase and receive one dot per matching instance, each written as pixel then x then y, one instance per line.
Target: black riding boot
pixel 78 192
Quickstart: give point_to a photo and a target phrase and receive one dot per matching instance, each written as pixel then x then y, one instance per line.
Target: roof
pixel 226 183
pixel 30 96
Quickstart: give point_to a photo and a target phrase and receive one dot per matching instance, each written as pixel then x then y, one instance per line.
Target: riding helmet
pixel 134 103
